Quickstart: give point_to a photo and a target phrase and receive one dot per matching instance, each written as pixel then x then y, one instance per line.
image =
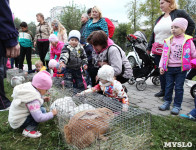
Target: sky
pixel 26 10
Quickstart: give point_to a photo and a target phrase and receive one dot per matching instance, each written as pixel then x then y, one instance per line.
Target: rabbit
pixel 87 126
pixel 16 80
pixel 80 108
pixel 64 106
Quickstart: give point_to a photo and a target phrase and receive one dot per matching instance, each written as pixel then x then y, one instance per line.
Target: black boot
pixel 160 94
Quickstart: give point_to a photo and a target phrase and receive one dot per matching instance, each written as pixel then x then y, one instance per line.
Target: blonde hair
pixel 61 28
pixel 38 62
pixel 173 5
pixel 41 15
pixel 98 10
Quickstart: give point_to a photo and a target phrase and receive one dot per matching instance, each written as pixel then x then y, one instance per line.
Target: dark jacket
pixel 8 32
pixel 73 58
pixel 177 13
pixel 82 39
pixel 88 49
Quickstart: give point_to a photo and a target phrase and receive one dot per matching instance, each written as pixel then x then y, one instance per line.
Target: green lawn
pixel 33 59
pixel 163 129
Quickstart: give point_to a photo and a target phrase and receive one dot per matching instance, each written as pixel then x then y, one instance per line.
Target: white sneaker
pixel 31 134
pixel 89 86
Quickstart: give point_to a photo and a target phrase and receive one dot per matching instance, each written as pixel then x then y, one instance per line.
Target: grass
pixel 163 129
pixel 33 60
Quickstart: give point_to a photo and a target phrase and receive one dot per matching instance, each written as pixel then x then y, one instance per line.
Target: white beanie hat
pixel 74 34
pixel 106 72
pixel 53 38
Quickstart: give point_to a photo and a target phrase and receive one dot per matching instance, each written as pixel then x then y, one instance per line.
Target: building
pixel 55 12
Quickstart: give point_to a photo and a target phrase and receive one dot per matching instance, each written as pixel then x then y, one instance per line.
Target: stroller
pixel 147 67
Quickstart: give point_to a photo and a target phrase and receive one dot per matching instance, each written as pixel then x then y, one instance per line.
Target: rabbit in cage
pixel 87 126
pixel 64 106
pixel 16 80
pixel 80 108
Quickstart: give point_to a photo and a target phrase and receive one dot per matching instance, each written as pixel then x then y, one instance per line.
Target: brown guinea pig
pixel 87 126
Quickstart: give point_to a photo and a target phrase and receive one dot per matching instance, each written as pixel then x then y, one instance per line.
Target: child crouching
pixel 109 86
pixel 26 109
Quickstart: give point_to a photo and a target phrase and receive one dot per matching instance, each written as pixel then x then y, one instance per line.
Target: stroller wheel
pixel 156 80
pixel 131 81
pixel 141 85
pixel 193 91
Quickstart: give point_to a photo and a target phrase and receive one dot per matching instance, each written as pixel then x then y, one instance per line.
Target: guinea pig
pixel 87 126
pixel 16 80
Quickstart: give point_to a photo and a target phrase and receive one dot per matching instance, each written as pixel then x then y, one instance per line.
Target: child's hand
pixel 85 67
pixel 47 99
pixel 80 94
pixel 62 64
pixel 26 73
pixel 54 111
pixel 33 49
pixel 125 107
pixel 162 71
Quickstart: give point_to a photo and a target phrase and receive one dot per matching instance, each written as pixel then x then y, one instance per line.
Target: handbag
pixel 47 57
pixel 157 48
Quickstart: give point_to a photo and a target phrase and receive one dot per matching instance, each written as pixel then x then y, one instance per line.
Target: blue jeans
pixel 162 77
pixel 175 77
pixel 30 124
pixel 193 112
pixel 88 79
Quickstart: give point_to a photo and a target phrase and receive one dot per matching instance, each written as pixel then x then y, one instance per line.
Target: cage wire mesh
pixel 94 121
pixel 10 73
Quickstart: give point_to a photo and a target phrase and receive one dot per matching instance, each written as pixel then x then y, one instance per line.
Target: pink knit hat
pixel 180 22
pixel 53 38
pixel 42 80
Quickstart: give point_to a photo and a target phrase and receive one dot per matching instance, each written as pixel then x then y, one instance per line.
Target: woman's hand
pixel 85 67
pixel 35 44
pixel 13 51
pixel 162 71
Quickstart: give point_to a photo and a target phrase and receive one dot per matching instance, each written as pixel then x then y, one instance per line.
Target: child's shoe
pixel 31 134
pixel 175 110
pixel 188 116
pixel 165 106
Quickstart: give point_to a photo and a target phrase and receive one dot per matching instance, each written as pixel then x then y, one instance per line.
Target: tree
pixel 17 23
pixel 120 34
pixel 150 9
pixel 32 28
pixel 182 4
pixel 191 8
pixel 71 17
pixel 134 13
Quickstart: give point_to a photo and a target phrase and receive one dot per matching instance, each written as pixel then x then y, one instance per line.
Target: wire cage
pixel 97 122
pixel 10 73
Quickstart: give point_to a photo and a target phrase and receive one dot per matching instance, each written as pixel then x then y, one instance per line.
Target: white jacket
pixel 22 94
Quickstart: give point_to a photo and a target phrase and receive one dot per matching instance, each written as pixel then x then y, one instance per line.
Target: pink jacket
pixel 186 53
pixel 56 50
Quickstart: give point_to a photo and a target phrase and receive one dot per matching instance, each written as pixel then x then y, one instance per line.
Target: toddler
pixel 109 86
pixel 26 109
pixel 72 57
pixel 38 67
pixel 178 51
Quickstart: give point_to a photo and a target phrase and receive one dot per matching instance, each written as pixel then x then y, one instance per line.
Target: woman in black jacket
pixel 162 31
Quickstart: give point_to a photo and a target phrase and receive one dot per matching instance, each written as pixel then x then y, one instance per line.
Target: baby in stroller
pixel 145 69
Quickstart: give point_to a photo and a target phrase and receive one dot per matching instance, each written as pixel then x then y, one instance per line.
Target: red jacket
pixel 111 27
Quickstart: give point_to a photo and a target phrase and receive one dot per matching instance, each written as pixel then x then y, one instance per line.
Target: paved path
pixel 146 100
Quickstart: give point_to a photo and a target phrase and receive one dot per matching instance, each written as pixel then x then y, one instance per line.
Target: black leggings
pixel 25 51
pixel 43 47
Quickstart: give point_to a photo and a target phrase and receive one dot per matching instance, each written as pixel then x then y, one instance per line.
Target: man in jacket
pixel 8 46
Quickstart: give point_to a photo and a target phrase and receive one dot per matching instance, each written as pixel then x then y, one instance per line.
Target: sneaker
pixel 160 94
pixel 5 109
pixel 175 110
pixel 188 116
pixel 31 134
pixel 20 71
pixel 165 106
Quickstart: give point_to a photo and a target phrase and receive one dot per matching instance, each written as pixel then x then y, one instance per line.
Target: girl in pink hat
pixel 26 109
pixel 178 51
